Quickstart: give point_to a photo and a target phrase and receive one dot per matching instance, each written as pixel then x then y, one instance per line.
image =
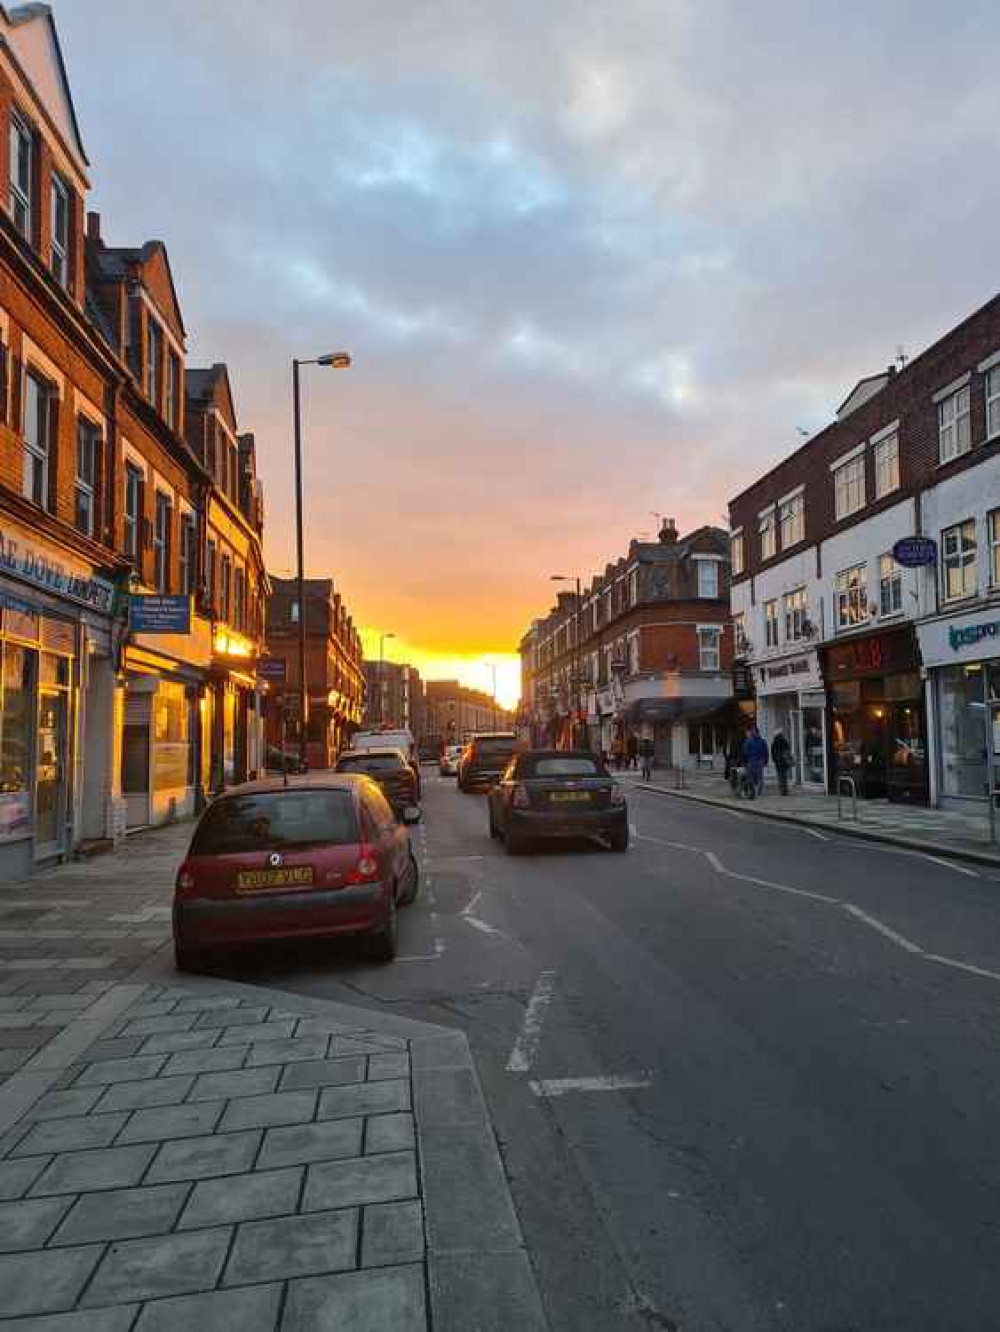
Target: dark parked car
pixel 322 856
pixel 557 793
pixel 393 772
pixel 484 760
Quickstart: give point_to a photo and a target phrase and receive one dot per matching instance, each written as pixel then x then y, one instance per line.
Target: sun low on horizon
pixel 473 670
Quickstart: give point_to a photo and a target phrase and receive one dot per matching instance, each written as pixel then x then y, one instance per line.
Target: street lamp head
pixel 560 578
pixel 338 360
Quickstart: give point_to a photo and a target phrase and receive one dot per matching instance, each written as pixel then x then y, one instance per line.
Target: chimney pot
pixel 93 226
pixel 668 532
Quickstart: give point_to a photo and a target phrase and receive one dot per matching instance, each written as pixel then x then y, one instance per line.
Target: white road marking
pixel 780 887
pixel 481 926
pixel 814 832
pixel 550 1087
pixel 715 862
pixel 962 966
pixel 876 924
pixel 676 846
pixel 419 957
pixel 526 1045
pixel 926 855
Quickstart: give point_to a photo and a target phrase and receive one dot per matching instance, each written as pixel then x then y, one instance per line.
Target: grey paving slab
pixel 122 1214
pixel 187 1002
pixel 118 1319
pixel 367 1098
pixel 148 1269
pixel 205 1061
pixel 199 1158
pixel 171 1041
pixel 317 1025
pixel 158 1123
pixel 61 1104
pixel 84 1172
pixel 392 1233
pixel 288 1107
pixel 293 1246
pixel 363 1179
pixel 448 1096
pixel 287 1051
pixel 139 1095
pixel 214 1018
pixel 264 1193
pixel 449 1050
pixel 301 1143
pixel 121 1070
pixel 251 1309
pixel 71 1134
pixel 389 1133
pixel 45 1280
pixel 151 1008
pixel 466 1200
pixel 153 1026
pixel 29 1223
pixel 366 1042
pixel 323 1073
pixel 490 1292
pixel 237 1082
pixel 17 1177
pixel 121 1047
pixel 366 1301
pixel 261 1031
pixel 393 1065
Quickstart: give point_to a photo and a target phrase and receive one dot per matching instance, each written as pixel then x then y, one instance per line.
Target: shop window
pixel 88 446
pixel 59 229
pixel 963 731
pixel 792 520
pixel 133 510
pixel 795 615
pixel 20 177
pixel 851 590
pixel 766 531
pixel 16 737
pixel 708 578
pixel 886 454
pixel 736 552
pixel 161 542
pixel 39 404
pixel 771 623
pixel 890 586
pixel 709 636
pixel 993 523
pixel 954 429
pixel 958 550
pixel 172 737
pixel 849 487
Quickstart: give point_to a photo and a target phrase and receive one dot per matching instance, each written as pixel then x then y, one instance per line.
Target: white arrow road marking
pixel 526 1045
pixel 550 1087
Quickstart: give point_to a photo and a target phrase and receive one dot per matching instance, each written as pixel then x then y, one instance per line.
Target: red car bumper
pixel 214 921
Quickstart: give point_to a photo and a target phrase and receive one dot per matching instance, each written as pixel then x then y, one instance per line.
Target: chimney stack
pixel 668 532
pixel 93 226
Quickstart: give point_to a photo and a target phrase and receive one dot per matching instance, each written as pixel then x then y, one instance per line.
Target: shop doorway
pixel 135 760
pixel 50 774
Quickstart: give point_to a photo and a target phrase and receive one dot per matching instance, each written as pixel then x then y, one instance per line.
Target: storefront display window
pixel 963 731
pixel 813 747
pixel 16 732
pixel 171 730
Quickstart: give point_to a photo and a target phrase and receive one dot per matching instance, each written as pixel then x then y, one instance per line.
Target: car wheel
pixel 382 943
pixel 618 841
pixel 411 896
pixel 187 958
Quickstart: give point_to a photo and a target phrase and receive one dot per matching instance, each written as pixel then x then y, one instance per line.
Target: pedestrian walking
pixel 781 757
pixel 646 754
pixel 632 750
pixel 734 746
pixel 755 756
pixel 618 752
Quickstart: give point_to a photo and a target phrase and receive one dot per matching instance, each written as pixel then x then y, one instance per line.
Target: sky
pixel 593 262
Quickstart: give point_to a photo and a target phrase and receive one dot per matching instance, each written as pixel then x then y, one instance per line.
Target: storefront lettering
pixel 968 635
pixel 800 666
pixel 47 573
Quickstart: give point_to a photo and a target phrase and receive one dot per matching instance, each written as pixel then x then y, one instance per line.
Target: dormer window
pixel 20 176
pixel 59 240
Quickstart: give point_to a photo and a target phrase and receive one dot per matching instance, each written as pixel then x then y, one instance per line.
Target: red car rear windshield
pixel 372 763
pixel 493 748
pixel 261 822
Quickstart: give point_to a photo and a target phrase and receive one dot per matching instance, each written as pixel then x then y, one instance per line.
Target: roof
pixel 44 69
pixel 115 263
pixel 201 384
pixel 310 780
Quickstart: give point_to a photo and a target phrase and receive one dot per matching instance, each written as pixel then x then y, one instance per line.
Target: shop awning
pixel 679 709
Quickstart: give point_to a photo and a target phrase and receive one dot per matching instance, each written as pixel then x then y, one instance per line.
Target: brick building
pixel 101 499
pixel 334 669
pixel 647 650
pixel 395 696
pixel 455 713
pixel 876 670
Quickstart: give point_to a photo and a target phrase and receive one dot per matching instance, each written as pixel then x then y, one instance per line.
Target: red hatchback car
pixel 324 855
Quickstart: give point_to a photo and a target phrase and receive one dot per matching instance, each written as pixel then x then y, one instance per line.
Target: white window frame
pixel 849 485
pixel 772 623
pixel 792 518
pixel 709 647
pixel 885 457
pixel 739 632
pixel 768 533
pixel 85 489
pixel 172 381
pixel 851 605
pixel 795 611
pixel 706 567
pixel 37 454
pixel 154 336
pixel 187 557
pixel 991 390
pixel 19 195
pixel 890 586
pixel 633 652
pixel 59 246
pixel 993 537
pixel 954 422
pixel 163 508
pixel 633 589
pixel 964 560
pixel 133 514
pixel 736 552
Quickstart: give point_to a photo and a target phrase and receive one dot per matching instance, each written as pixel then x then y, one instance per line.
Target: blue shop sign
pixel 159 614
pixel 914 552
pixel 272 668
pixel 968 635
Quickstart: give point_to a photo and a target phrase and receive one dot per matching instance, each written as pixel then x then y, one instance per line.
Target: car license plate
pixel 570 797
pixel 295 876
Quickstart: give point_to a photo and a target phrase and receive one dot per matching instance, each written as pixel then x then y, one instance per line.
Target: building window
pixel 20 176
pixel 173 389
pixel 59 239
pixel 736 552
pixel 210 562
pixel 633 588
pixel 161 542
pixel 849 487
pixel 890 586
pixel 767 534
pixel 852 596
pixel 708 578
pixel 38 402
pixel 154 355
pixel 88 450
pixel 187 553
pixel 708 646
pixel 994 530
pixel 238 599
pixel 795 615
pixel 792 520
pixel 771 623
pixel 959 554
pixel 633 654
pixel 887 465
pixel 954 433
pixel 740 633
pixel 133 510
pixel 226 590
pixel 993 402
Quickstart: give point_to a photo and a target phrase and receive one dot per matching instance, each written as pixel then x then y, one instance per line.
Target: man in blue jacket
pixel 755 756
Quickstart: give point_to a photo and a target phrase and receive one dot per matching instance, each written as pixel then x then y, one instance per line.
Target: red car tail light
pixel 185 881
pixel 520 799
pixel 366 870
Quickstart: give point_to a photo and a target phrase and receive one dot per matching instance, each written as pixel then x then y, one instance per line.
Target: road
pixel 744 1077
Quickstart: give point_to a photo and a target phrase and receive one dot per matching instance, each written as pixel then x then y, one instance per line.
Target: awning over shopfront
pixel 691 709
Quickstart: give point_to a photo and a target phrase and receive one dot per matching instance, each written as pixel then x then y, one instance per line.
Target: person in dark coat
pixel 781 757
pixel 632 749
pixel 755 756
pixel 646 754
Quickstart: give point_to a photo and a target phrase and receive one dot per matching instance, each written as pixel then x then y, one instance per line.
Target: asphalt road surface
pixel 743 1077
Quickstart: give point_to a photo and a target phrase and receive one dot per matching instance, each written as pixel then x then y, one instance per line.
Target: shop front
pixel 876 718
pixel 962 656
pixel 790 699
pixel 236 711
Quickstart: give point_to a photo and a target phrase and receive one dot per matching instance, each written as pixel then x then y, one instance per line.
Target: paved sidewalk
pixel 186 1152
pixel 934 830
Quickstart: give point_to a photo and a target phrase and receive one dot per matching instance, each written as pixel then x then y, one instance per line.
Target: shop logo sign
pixel 42 571
pixel 968 635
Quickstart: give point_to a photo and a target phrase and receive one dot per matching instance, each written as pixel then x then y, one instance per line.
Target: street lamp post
pixel 381 662
pixel 337 361
pixel 492 666
pixel 577 692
